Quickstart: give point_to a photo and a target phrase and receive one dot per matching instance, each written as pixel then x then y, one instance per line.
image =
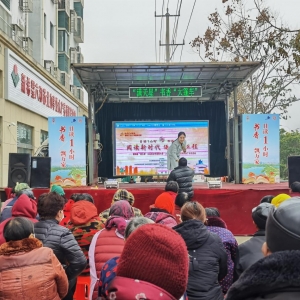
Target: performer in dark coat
pixel 183 175
pixel 276 276
pixel 208 258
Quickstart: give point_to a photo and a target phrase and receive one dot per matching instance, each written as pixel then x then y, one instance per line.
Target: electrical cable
pixel 161 25
pixel 187 27
pixel 155 36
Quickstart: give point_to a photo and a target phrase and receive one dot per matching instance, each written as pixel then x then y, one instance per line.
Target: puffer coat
pixel 63 244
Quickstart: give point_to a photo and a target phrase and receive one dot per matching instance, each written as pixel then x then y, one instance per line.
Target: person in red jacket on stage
pixel 108 242
pixel 24 207
pixel 84 224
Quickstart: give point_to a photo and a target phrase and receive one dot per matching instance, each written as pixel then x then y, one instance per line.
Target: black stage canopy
pixel 111 87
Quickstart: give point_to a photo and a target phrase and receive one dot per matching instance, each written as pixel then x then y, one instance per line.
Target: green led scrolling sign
pixel 165 92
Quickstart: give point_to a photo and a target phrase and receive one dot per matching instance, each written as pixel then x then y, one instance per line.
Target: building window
pixel 63 41
pixel 78 7
pixel 6 3
pixel 45 26
pixel 51 34
pixel 63 62
pixel 24 138
pixel 44 136
pixel 63 20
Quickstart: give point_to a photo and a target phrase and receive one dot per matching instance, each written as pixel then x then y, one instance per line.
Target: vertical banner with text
pixel 260 151
pixel 67 150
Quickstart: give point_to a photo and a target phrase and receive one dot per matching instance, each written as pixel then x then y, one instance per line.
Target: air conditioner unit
pixel 49 66
pixel 26 5
pixel 65 80
pixel 57 74
pixel 80 94
pixel 16 27
pixel 73 21
pixel 17 34
pixel 80 58
pixel 73 55
pixel 28 45
pixel 73 89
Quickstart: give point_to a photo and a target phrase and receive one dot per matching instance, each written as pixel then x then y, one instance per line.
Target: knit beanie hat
pixel 122 194
pixel 165 201
pixel 156 254
pixel 283 226
pixel 279 199
pixel 21 186
pixel 57 189
pixel 260 214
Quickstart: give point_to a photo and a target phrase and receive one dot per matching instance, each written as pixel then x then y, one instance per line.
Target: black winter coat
pixel 208 261
pixel 274 277
pixel 249 253
pixel 63 244
pixel 184 177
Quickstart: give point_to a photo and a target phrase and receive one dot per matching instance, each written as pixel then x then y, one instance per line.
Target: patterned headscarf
pixel 119 212
pixel 121 208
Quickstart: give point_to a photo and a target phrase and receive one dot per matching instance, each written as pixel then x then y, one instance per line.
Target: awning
pixel 112 81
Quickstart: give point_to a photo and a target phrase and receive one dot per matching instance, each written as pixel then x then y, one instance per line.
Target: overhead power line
pixel 155 37
pixel 188 26
pixel 161 24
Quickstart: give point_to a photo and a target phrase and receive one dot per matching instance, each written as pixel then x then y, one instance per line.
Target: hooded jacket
pixel 249 253
pixel 208 261
pixel 162 218
pixel 23 207
pixel 273 277
pixel 30 271
pixel 84 224
pixel 218 226
pixel 67 212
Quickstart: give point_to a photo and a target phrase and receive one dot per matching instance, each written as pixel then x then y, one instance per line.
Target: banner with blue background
pixel 260 148
pixel 67 150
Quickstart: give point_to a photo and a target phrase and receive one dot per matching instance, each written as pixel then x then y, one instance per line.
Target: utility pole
pixel 168 44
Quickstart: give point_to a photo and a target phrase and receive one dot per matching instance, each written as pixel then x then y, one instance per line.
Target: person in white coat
pixel 174 151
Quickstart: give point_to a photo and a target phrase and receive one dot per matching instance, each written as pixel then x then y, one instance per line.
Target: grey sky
pixel 124 31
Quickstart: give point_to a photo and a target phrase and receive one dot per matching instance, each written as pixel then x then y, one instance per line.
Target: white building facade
pixel 37 46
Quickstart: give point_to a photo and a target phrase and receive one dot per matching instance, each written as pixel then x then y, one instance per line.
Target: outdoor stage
pixel 235 201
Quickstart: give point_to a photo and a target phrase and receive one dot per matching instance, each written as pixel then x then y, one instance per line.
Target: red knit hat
pixel 165 201
pixel 156 254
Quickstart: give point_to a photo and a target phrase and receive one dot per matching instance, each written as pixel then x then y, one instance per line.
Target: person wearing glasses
pixel 27 269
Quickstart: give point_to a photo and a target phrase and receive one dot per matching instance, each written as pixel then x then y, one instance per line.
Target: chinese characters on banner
pixel 140 148
pixel 260 154
pixel 68 155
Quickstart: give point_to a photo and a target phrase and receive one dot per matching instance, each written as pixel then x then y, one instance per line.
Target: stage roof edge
pixel 110 82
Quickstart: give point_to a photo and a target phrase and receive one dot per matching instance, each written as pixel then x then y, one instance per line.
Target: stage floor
pixel 235 201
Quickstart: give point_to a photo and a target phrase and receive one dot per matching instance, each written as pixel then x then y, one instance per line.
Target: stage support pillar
pixel 236 157
pixel 90 124
pixel 228 154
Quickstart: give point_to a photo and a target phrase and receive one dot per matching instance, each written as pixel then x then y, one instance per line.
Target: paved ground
pixel 242 239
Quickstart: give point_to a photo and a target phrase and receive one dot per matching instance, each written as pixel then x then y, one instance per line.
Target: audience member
pixel 121 194
pixel 276 276
pixel 84 224
pixel 108 242
pixel 57 189
pixel 180 200
pixel 216 225
pixel 21 188
pixel 208 258
pixel 108 271
pixel 24 207
pixel 183 175
pixel 277 200
pixel 295 189
pixel 12 196
pixel 172 189
pixel 267 199
pixel 27 269
pixel 250 251
pixel 153 265
pixel 163 210
pixel 58 238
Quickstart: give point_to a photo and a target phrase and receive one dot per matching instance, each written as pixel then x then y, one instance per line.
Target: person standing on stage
pixel 174 151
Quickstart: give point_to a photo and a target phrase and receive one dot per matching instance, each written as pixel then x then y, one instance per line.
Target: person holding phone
pixel 174 151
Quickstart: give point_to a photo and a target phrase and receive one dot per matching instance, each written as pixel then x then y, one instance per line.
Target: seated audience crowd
pixel 178 250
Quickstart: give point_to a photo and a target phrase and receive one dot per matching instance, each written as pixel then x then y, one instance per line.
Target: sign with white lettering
pixel 27 88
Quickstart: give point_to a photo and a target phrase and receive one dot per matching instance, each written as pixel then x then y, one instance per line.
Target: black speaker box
pixel 294 169
pixel 40 172
pixel 18 168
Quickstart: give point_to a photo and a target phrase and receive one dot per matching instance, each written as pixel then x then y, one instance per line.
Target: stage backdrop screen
pixel 140 148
